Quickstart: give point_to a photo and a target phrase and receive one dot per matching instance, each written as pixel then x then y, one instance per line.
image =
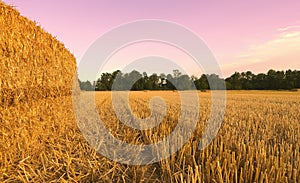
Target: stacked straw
pixel 34 64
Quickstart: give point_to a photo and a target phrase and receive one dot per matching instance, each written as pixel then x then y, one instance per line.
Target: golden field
pixel 257 142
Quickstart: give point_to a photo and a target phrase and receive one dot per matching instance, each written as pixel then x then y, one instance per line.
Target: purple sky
pixel 254 35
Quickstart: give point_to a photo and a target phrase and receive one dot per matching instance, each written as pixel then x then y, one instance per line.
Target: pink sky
pixel 254 35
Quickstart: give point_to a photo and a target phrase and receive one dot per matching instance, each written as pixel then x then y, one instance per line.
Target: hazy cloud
pixel 285 45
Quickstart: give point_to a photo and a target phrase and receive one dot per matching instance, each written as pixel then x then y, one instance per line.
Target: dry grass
pixel 258 142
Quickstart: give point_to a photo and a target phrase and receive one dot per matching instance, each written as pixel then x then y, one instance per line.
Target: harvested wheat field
pixel 258 141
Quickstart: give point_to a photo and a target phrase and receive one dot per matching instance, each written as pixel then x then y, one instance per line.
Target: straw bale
pixel 34 64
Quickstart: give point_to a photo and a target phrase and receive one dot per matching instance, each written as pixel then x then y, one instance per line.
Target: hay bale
pixel 34 64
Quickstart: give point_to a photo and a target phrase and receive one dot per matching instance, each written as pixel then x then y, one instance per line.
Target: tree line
pixel 272 80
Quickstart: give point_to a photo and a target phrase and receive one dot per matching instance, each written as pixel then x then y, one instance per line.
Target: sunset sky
pixel 254 35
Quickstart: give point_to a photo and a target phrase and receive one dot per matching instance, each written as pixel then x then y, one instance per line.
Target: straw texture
pixel 34 64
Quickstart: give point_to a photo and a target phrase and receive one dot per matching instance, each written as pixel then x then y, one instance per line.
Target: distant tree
pixel 184 82
pixel 134 80
pixel 119 82
pixel 297 78
pixel 246 80
pixel 104 82
pixel 290 79
pixel 86 85
pixel 271 79
pixel 170 84
pixel 202 83
pixel 228 85
pixel 235 81
pixel 176 73
pixel 154 81
pixel 215 82
pixel 260 82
